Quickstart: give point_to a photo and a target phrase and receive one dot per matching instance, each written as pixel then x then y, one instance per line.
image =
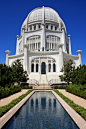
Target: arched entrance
pixel 43 68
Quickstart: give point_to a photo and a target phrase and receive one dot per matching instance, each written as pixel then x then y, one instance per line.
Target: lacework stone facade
pixel 43 46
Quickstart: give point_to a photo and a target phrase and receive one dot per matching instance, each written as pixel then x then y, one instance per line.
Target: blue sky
pixel 13 13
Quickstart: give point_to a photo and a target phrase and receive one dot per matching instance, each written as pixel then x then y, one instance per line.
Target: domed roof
pixel 49 14
pixel 43 14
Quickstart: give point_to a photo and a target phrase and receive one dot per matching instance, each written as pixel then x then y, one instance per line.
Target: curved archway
pixel 54 67
pixel 36 67
pixel 32 67
pixel 43 68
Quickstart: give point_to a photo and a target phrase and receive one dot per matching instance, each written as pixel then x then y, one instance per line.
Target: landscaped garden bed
pixel 80 110
pixel 79 90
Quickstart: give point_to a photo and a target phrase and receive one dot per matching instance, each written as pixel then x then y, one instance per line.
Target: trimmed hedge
pixel 6 108
pixel 4 92
pixel 26 87
pixel 80 110
pixel 59 87
pixel 78 90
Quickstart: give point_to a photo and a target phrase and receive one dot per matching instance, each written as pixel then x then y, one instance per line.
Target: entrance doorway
pixel 43 68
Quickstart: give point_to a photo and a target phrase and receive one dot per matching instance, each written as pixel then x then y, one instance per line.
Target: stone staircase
pixel 43 79
pixel 43 83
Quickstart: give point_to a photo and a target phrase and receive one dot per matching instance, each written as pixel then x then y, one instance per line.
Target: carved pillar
pixel 79 59
pixel 49 27
pixel 63 39
pixel 69 45
pixel 25 57
pixel 37 27
pixel 32 27
pixel 53 27
pixel 51 66
pixel 47 66
pixel 39 66
pixel 35 67
pixel 7 59
pixel 17 45
pixel 60 56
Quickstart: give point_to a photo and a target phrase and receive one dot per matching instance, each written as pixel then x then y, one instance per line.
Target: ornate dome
pixel 42 15
pixel 49 14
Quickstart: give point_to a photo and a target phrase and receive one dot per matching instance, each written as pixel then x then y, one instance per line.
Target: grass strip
pixel 80 110
pixel 6 108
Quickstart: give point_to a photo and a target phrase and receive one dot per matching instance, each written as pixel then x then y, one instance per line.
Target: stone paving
pixel 77 100
pixel 8 99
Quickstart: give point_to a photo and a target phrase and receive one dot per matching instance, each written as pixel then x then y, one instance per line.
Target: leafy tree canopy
pixel 9 75
pixel 79 75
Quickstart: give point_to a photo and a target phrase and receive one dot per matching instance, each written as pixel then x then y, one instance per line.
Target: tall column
pixel 17 45
pixel 51 66
pixel 43 30
pixel 37 45
pixel 25 57
pixel 32 27
pixel 49 27
pixel 34 66
pixel 63 39
pixel 43 37
pixel 69 45
pixel 23 38
pixel 49 46
pixel 60 56
pixel 7 59
pixel 37 27
pixel 79 59
pixel 47 66
pixel 53 27
pixel 39 66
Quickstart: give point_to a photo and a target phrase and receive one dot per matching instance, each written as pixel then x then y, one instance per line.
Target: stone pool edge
pixel 81 123
pixel 7 116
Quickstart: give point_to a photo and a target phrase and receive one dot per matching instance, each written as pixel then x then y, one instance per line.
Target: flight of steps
pixel 43 83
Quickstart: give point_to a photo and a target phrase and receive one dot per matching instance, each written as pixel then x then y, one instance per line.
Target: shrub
pixel 59 87
pixel 55 87
pixel 26 87
pixel 78 90
pixel 4 92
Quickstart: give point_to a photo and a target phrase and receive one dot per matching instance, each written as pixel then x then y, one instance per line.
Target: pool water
pixel 41 111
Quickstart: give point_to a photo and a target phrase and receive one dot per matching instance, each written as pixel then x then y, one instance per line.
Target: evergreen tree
pixel 19 74
pixel 67 70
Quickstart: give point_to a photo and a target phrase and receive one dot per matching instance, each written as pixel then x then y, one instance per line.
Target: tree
pixel 67 70
pixel 19 74
pixel 6 75
pixel 79 75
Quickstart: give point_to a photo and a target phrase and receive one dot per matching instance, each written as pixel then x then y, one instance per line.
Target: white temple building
pixel 43 46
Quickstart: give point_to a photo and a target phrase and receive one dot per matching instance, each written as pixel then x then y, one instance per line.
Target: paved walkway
pixel 77 100
pixel 74 98
pixel 7 100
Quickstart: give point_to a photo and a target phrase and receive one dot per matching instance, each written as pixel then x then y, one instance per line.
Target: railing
pixel 53 81
pixel 33 81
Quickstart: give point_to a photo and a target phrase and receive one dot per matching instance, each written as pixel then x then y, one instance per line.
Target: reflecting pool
pixel 41 111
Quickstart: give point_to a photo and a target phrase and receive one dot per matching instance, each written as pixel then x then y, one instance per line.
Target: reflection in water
pixel 42 111
pixel 32 102
pixel 43 103
pixel 49 103
pixel 54 103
